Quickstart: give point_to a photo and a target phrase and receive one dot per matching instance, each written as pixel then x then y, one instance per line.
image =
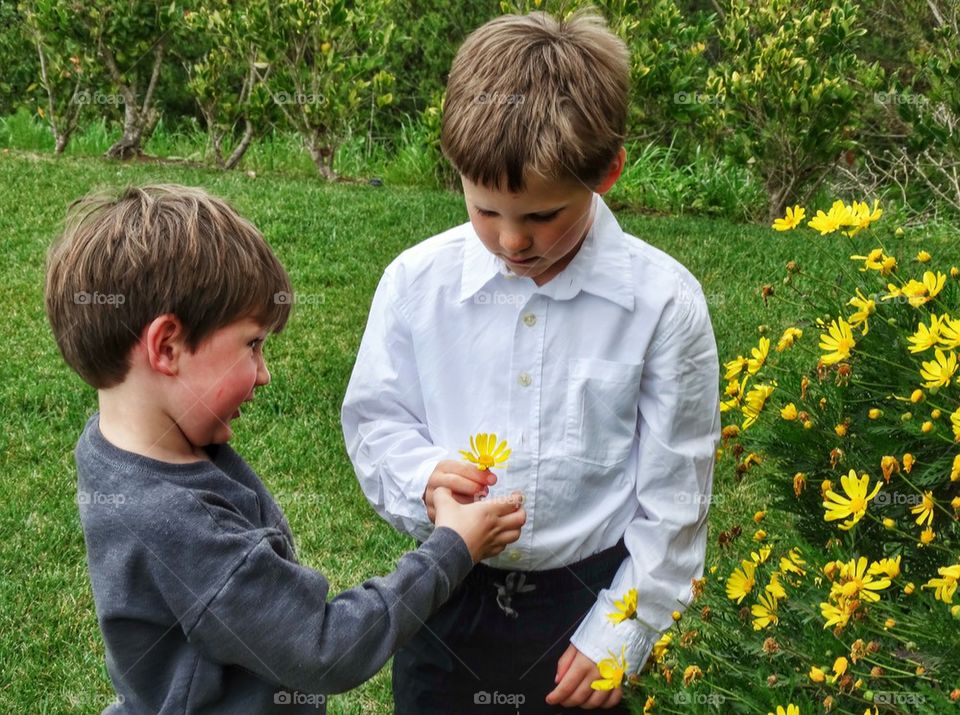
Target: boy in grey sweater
pixel 161 299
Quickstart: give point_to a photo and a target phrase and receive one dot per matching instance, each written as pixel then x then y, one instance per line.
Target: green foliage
pixel 18 58
pixel 789 87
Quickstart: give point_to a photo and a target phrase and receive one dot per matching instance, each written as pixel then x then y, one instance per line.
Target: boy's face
pixel 538 231
pixel 214 381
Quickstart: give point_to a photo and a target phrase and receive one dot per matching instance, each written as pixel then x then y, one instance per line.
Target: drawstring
pixel 513 586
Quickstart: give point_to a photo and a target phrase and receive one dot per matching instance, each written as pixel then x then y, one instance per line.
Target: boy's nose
pixel 514 242
pixel 263 374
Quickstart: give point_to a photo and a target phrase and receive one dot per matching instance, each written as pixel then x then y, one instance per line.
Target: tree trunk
pixel 322 155
pixel 238 151
pixel 128 146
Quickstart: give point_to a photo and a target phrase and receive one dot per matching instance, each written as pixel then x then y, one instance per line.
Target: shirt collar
pixel 602 266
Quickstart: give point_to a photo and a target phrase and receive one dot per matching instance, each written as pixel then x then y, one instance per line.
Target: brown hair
pixel 124 259
pixel 533 93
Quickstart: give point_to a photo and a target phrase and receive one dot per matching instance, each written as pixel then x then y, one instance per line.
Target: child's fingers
pixel 460 485
pixel 502 506
pixel 508 537
pixel 564 663
pixel 470 472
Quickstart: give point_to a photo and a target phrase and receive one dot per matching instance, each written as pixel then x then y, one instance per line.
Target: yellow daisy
pixel 485 452
pixel 918 292
pixel 764 612
pixel 659 651
pixel 854 504
pixel 873 261
pixel 865 308
pixel 791 710
pixel 788 338
pixel 924 509
pixel 946 585
pixel 791 220
pixel 838 615
pixel 755 400
pixel 837 217
pixel 939 372
pixel 838 343
pixel 856 582
pixel 789 412
pixel 734 367
pixel 926 338
pixel 611 671
pixel 627 608
pixel 741 581
pixel 862 216
pixel 759 356
pixel 888 567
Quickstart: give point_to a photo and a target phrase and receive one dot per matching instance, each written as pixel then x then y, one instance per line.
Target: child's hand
pixel 575 672
pixel 486 526
pixel 465 481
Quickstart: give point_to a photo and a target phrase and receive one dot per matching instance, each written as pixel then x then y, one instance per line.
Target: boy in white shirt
pixel 588 350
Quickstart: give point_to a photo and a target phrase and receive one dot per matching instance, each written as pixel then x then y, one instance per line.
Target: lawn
pixel 335 241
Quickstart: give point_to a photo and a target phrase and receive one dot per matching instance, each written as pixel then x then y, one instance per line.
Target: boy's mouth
pixel 524 262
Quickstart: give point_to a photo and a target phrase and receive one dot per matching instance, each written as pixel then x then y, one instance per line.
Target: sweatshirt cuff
pixel 447 549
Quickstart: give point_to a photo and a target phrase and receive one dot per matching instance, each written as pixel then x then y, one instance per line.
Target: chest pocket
pixel 602 399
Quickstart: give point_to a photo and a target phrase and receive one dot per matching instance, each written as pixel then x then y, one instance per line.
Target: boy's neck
pixel 144 429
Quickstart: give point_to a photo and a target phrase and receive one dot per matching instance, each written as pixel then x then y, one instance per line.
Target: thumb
pixel 565 660
pixel 506 505
pixel 442 496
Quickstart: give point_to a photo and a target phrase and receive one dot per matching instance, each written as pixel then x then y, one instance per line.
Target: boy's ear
pixel 163 343
pixel 613 173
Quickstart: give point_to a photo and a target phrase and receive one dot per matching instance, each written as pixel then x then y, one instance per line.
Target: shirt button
pixel 530 320
pixel 514 555
pixel 524 379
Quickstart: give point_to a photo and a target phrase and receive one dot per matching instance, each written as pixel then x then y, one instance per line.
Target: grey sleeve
pixel 271 615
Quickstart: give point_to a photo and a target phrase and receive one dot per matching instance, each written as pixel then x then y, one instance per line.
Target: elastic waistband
pixel 601 565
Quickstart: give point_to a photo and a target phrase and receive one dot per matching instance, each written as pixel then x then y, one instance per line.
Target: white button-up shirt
pixel 604 381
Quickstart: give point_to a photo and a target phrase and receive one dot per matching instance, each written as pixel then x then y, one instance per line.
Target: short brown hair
pixel 123 259
pixel 533 93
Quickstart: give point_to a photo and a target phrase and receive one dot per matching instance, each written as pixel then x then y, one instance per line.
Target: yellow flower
pixel 926 338
pixel 648 705
pixel 955 423
pixel 908 589
pixel 916 292
pixel 485 452
pixel 759 535
pixel 955 469
pixel 611 671
pixel 837 615
pixel 759 516
pixel 889 466
pixel 691 673
pixel 924 509
pixel 759 356
pixel 927 536
pixel 939 373
pixel 888 523
pixel 775 588
pixel 791 563
pixel 660 647
pixel 838 343
pixel 908 462
pixel 854 505
pixel 946 585
pixel 741 581
pixel 799 483
pixel 627 608
pixel 839 668
pixel 889 567
pixel 755 401
pixel 858 583
pixel 764 612
pixel 817 675
pixel 862 216
pixel 734 367
pixel 789 412
pixel 791 710
pixel 788 338
pixel 841 430
pixel 873 261
pixel 791 220
pixel 875 413
pixel 865 308
pixel 761 557
pixel 949 332
pixel 838 216
pixel 923 257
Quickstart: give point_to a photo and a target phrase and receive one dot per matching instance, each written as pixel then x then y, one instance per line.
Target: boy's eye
pixel 543 218
pixel 485 212
pixel 255 343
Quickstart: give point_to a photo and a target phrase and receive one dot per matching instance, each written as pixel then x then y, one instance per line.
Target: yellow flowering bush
pixel 848 418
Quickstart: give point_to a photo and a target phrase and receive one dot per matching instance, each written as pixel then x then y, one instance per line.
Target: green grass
pixel 335 240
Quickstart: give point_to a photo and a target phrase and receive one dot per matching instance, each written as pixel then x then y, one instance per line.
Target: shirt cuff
pixel 598 639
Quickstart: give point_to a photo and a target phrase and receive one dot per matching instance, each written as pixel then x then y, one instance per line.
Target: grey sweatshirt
pixel 202 604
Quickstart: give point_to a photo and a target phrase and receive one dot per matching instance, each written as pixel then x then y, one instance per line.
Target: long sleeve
pixel 679 428
pixel 270 615
pixel 383 417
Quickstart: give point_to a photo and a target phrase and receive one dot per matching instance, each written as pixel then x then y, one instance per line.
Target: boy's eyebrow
pixel 544 212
